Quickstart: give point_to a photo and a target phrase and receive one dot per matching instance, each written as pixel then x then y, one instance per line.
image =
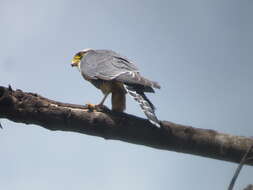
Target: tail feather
pixel 145 104
pixel 134 78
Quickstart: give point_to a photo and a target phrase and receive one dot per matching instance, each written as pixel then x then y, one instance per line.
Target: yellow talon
pixel 91 106
pixel 96 107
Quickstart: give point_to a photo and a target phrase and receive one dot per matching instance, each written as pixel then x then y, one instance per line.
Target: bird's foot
pixel 91 106
pixel 97 107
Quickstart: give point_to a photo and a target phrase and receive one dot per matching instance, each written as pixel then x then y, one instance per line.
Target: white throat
pixel 79 66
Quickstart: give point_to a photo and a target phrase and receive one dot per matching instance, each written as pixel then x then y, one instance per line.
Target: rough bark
pixel 30 108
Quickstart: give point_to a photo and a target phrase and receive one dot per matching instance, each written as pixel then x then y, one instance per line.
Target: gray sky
pixel 201 52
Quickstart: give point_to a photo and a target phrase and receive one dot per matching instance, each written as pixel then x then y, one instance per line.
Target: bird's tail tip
pixel 157 124
pixel 146 106
pixel 152 117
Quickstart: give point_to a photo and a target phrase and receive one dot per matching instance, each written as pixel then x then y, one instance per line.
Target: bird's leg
pixel 98 106
pixel 103 100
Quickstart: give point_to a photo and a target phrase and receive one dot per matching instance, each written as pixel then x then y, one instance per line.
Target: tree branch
pixel 30 108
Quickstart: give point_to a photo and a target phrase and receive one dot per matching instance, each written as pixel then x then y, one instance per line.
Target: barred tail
pixel 147 107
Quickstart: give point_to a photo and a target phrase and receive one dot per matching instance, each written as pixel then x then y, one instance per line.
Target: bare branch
pixel 30 108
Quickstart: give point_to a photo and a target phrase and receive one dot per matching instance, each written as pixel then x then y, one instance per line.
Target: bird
pixel 116 74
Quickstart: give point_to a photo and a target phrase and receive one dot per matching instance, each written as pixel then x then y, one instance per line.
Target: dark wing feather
pixel 134 78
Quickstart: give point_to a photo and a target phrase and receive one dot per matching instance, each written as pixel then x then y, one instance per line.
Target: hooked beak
pixel 74 64
pixel 76 60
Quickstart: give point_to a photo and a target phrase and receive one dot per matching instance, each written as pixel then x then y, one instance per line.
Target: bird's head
pixel 77 58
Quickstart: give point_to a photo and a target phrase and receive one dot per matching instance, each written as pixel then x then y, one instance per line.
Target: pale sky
pixel 201 53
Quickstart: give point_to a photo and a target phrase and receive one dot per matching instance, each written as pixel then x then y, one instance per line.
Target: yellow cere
pixel 76 59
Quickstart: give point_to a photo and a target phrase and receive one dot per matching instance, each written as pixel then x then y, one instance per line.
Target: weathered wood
pixel 30 108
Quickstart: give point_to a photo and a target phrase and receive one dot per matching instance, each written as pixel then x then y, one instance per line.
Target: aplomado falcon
pixel 112 73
